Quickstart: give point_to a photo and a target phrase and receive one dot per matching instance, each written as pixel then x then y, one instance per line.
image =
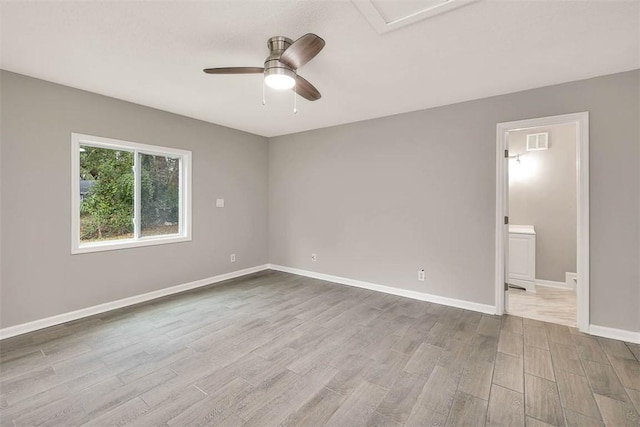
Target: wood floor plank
pixel 537 361
pixel 467 410
pixel 293 398
pixel 615 348
pixel 512 324
pixel 575 394
pixel 316 411
pixel 534 422
pixel 393 324
pixel 635 349
pixel 423 360
pixel 535 336
pixel 435 400
pixel 153 363
pixel 542 400
pixel 490 326
pixel 604 381
pixel 566 357
pixel 589 349
pixel 628 371
pixel 352 373
pixel 465 328
pixel 401 397
pixel 358 314
pixel 454 357
pixel 575 419
pixel 439 334
pixel 208 411
pixel 509 372
pixel 379 420
pixel 484 348
pixel 119 395
pixel 67 411
pixel 617 413
pixel 28 384
pixel 23 407
pixel 506 407
pixel 476 379
pixel 298 338
pixel 359 406
pixel 634 395
pixel 379 347
pixel 21 363
pixel 385 371
pixel 250 399
pixel 169 409
pixel 256 371
pixel 315 355
pixel 512 344
pixel 559 334
pixel 414 336
pixel 275 348
pixel 123 414
pixel 76 367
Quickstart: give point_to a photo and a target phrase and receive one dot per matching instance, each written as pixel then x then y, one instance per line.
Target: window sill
pixel 127 244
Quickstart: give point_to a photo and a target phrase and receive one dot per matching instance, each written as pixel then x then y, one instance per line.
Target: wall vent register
pixel 538 141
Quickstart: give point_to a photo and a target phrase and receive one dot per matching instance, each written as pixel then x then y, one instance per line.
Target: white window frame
pixel 184 234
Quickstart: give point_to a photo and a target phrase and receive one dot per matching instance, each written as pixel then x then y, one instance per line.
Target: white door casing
pixel 581 120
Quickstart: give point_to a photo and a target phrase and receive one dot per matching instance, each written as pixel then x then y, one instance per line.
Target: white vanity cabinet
pixel 522 256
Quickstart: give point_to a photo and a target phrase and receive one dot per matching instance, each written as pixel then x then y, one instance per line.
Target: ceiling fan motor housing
pixel 272 65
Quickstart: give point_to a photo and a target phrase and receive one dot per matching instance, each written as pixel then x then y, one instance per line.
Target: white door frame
pixel 581 120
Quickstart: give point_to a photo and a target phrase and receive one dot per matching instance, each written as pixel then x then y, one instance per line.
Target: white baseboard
pixel 24 328
pixel 552 284
pixel 467 305
pixel 616 334
pixel 602 331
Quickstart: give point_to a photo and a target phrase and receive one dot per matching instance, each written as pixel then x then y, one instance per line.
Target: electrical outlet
pixel 314 257
pixel 233 257
pixel 421 275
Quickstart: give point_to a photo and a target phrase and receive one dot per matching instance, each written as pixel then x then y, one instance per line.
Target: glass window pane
pixel 106 194
pixel 159 195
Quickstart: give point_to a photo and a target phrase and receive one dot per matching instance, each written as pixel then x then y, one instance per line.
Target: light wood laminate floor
pixel 552 305
pixel 279 349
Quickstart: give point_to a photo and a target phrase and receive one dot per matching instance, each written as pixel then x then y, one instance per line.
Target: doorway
pixel 533 286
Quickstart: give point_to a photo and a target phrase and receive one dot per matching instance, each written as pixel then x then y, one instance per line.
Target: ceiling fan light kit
pixel 281 66
pixel 279 78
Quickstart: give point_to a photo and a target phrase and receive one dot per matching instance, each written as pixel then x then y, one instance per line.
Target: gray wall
pixel 543 193
pixel 375 200
pixel 40 277
pixel 379 199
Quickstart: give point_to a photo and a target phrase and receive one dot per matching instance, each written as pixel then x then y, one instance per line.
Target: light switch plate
pixel 219 203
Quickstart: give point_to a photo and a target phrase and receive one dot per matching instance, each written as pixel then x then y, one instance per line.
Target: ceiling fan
pixel 281 66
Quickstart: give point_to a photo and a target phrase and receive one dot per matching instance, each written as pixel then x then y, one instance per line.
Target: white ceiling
pixel 152 53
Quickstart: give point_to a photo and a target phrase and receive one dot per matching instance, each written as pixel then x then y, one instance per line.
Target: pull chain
pixel 295 100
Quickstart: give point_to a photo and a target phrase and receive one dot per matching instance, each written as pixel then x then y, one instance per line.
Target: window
pixel 126 194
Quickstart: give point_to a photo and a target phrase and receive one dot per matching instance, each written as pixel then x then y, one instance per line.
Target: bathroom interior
pixel 542 224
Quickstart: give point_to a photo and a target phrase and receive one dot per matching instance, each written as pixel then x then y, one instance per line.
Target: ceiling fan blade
pixel 302 51
pixel 234 70
pixel 306 89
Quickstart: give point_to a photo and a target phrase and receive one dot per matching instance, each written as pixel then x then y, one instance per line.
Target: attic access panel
pixel 387 16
